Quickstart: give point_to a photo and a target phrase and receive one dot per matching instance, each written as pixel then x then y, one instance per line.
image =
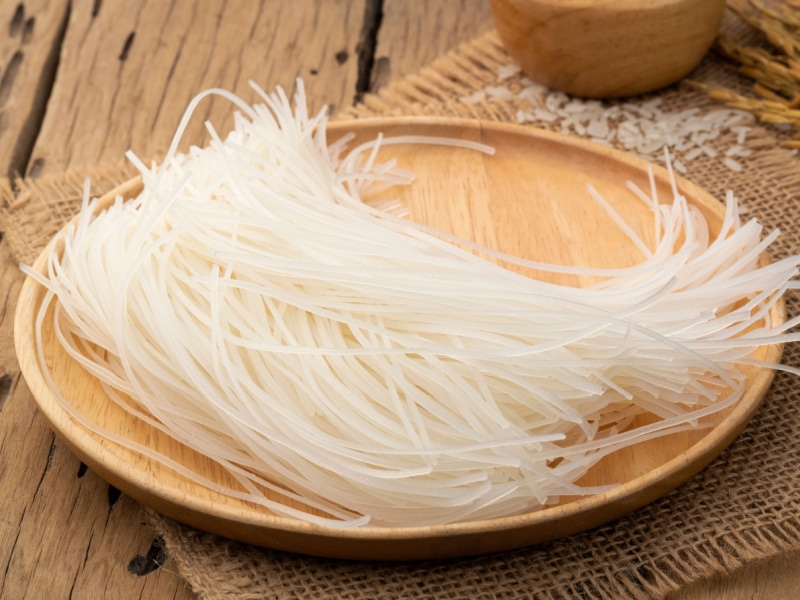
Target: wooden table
pixel 81 82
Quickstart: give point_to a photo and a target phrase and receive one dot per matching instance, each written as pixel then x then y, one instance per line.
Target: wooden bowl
pixel 607 48
pixel 528 199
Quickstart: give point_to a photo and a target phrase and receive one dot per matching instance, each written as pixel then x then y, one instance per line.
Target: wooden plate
pixel 529 199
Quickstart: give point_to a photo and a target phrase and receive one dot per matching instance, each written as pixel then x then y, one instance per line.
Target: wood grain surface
pixel 83 81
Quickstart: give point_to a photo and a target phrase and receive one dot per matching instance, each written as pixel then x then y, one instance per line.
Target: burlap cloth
pixel 744 507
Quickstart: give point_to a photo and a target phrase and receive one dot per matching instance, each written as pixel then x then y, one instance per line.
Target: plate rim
pixel 363 542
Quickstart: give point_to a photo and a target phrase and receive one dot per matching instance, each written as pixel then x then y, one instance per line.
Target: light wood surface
pixel 66 533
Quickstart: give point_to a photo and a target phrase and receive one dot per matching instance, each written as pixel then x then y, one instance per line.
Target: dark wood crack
pixel 368 41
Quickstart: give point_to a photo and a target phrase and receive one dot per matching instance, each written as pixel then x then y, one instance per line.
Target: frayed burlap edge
pixel 221 569
pixel 32 211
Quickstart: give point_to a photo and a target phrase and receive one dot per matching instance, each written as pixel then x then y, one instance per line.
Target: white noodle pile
pixel 254 308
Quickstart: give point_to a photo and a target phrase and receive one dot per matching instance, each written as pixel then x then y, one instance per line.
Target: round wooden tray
pixel 529 199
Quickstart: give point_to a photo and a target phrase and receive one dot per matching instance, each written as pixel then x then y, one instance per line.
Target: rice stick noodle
pixel 252 305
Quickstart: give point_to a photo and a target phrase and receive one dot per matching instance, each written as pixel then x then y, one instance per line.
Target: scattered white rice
pixel 499 93
pixel 474 98
pixel 640 127
pixel 741 134
pixel 738 150
pixel 507 72
pixel 733 165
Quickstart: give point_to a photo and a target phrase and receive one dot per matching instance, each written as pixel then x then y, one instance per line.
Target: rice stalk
pixel 775 70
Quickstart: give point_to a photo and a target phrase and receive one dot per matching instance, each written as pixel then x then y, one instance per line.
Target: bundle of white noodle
pixel 249 304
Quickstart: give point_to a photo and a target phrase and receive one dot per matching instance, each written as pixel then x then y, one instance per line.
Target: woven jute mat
pixel 744 507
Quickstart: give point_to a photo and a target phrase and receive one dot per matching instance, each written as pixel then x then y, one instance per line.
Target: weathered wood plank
pixel 30 39
pixel 416 32
pixel 127 541
pixel 774 579
pixel 126 72
pixel 60 533
pixel 129 69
